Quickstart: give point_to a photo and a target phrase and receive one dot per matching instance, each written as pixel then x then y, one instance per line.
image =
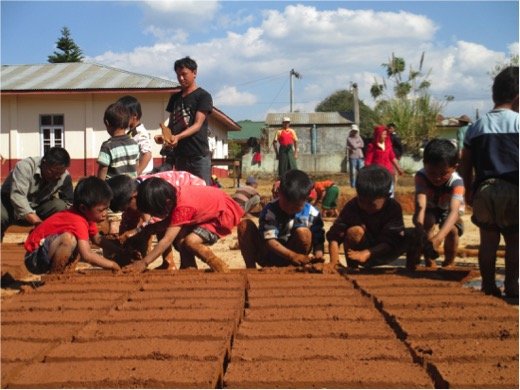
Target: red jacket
pixel 376 155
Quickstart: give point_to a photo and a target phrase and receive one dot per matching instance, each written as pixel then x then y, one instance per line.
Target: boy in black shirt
pixel 189 110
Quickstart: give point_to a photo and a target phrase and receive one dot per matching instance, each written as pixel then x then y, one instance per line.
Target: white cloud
pixel 250 67
pixel 230 96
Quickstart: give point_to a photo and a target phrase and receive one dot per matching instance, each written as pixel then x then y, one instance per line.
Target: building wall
pixel 84 130
pixel 329 139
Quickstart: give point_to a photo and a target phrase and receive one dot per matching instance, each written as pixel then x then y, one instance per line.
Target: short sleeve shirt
pixel 440 196
pixel 274 223
pixel 120 155
pixel 182 115
pixel 70 221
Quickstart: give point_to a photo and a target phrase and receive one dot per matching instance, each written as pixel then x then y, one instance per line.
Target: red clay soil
pixel 254 329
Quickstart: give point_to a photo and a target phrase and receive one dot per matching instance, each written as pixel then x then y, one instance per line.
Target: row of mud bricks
pixel 255 330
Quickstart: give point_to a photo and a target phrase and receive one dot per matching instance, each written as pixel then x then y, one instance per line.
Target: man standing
pixel 36 188
pixel 189 110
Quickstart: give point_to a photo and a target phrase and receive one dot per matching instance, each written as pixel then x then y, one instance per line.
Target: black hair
pixel 91 191
pixel 391 124
pixel 185 62
pixel 132 105
pixel 56 156
pixel 122 186
pixel 441 151
pixel 505 85
pixel 374 181
pixel 296 185
pixel 156 196
pixel 116 116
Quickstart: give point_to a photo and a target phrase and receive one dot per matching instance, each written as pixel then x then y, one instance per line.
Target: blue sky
pixel 245 49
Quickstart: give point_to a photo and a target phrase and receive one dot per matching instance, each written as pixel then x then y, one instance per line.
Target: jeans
pixel 355 164
pixel 199 166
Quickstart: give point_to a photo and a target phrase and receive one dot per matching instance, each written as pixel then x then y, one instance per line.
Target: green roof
pixel 249 129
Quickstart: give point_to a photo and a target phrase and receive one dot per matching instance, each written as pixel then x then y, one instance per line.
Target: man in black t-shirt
pixel 189 110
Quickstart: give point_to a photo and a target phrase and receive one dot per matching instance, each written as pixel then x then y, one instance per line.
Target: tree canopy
pixel 409 103
pixel 69 51
pixel 343 101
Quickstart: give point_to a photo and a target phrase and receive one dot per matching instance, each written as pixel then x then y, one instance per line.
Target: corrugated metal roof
pixel 309 118
pixel 75 76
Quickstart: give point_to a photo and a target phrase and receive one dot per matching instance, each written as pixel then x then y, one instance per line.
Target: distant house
pixel 63 105
pixel 248 129
pixel 447 127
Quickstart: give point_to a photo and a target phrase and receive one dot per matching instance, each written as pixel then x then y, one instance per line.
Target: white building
pixel 63 105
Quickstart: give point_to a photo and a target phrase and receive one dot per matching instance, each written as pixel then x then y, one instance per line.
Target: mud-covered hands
pixel 136 267
pixel 362 256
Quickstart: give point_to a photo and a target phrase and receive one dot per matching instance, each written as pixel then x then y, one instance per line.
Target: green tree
pixel 68 50
pixel 343 101
pixel 409 104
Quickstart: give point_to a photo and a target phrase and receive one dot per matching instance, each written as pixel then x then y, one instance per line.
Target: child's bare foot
pixel 431 264
pixel 448 264
pixel 167 266
pixel 216 264
pixel 360 256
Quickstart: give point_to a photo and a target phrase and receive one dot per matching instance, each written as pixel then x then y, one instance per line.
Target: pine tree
pixel 70 52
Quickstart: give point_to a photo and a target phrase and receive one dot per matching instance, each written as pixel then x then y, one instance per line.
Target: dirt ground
pixel 270 328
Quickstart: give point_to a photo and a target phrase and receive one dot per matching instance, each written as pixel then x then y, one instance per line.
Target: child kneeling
pixel 194 217
pixel 289 228
pixel 370 226
pixel 54 244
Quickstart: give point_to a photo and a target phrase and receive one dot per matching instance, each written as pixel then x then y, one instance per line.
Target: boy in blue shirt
pixel 289 228
pixel 491 150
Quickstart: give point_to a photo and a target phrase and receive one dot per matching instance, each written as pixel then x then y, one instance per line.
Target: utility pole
pixel 356 103
pixel 298 76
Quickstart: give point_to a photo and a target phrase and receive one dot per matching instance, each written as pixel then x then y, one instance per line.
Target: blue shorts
pixel 38 262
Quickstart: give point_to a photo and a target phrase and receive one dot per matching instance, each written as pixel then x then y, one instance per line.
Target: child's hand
pixel 159 139
pixel 135 267
pixel 299 259
pixel 115 266
pixel 329 268
pixel 318 257
pixel 361 256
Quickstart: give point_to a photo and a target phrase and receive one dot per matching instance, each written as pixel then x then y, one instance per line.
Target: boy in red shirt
pixel 54 244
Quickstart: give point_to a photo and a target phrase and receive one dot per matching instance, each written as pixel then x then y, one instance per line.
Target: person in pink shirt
pixel 194 217
pixel 133 221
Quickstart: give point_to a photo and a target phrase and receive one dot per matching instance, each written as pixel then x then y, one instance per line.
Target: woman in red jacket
pixel 380 151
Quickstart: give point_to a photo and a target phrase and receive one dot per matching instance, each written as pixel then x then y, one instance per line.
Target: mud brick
pixel 290 283
pixel 326 373
pixel 173 314
pixel 425 292
pixel 280 275
pixel 453 312
pixel 7 371
pixel 148 373
pixel 190 330
pixel 492 375
pixel 344 291
pixel 255 302
pixel 376 329
pixel 316 313
pixel 433 301
pixel 379 280
pixel 319 348
pixel 467 350
pixel 149 295
pixel 184 303
pixel 18 350
pixel 49 317
pixel 39 332
pixel 140 349
pixel 81 288
pixel 444 329
pixel 57 305
pixel 41 297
